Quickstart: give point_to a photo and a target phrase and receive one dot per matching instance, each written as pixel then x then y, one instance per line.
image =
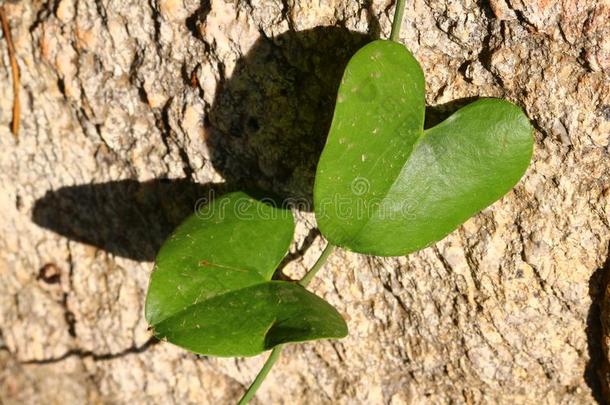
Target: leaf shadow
pixel 265 131
pixel 126 218
pixel 439 113
pixel 269 122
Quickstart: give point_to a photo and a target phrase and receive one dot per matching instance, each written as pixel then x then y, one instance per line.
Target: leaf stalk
pixel 273 357
pixel 316 267
pixel 397 22
pixel 275 353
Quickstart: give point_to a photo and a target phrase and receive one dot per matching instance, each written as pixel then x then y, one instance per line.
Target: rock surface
pixel 133 110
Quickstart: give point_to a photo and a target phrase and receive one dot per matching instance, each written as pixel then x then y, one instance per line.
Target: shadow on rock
pixel 126 218
pixel 439 113
pixel 269 122
pixel 597 371
pixel 268 125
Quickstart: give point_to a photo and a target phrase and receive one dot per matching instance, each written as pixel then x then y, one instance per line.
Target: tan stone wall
pixel 118 95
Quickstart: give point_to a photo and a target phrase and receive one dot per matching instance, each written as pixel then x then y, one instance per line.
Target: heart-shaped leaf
pixel 210 291
pixel 384 185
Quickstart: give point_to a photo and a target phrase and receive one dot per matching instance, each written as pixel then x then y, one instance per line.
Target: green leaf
pixel 387 187
pixel 210 291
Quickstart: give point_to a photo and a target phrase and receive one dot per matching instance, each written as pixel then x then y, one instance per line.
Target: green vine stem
pixel 275 353
pixel 316 267
pixel 397 23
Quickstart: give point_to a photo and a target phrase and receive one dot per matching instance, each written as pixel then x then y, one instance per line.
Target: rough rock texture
pixel 132 110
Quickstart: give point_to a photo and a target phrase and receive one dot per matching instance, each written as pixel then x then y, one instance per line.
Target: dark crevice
pixel 163 123
pixel 399 300
pixel 372 19
pixel 389 7
pixel 43 13
pixel 18 202
pixel 449 32
pixel 563 34
pixel 486 8
pixel 522 235
pixel 101 10
pixel 142 94
pixel 298 254
pixel 286 14
pixel 165 126
pixel 86 123
pixel 222 76
pixel 486 54
pixel 95 356
pixel 187 168
pixel 463 69
pixel 441 91
pixel 195 19
pixel 138 61
pixel 69 316
pixel 3 346
pixel 583 62
pixel 538 127
pixel 597 370
pixel 156 17
pixel 604 111
pixel 185 75
pixel 443 260
pixel 522 19
pixel 61 85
